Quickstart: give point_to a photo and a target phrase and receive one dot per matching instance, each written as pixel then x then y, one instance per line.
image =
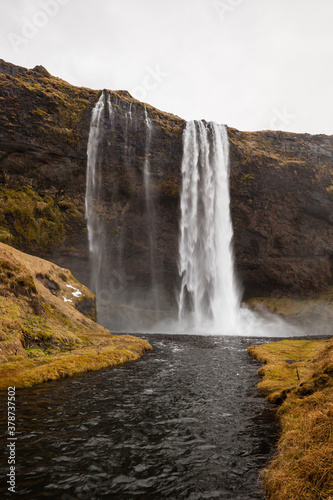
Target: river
pixel 183 422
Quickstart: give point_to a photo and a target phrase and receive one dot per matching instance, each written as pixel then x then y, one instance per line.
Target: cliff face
pixel 281 191
pixel 44 128
pixel 281 204
pixel 138 171
pixel 44 124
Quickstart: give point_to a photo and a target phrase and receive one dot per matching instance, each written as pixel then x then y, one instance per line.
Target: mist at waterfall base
pixel 208 298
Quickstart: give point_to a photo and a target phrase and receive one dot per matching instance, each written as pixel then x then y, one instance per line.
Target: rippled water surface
pixel 184 422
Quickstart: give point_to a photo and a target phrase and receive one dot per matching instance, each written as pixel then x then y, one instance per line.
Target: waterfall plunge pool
pixel 183 422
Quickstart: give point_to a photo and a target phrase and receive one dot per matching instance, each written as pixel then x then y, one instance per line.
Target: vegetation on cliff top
pixel 41 105
pixel 35 103
pixel 283 156
pixel 43 336
pixel 298 374
pixel 281 206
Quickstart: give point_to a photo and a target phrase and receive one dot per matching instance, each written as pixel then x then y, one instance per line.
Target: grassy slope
pixel 302 468
pixel 42 334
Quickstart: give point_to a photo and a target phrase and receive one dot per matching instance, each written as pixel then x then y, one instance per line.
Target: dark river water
pixel 184 422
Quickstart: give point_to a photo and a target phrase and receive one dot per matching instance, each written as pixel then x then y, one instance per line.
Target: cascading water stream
pixel 208 295
pixel 92 192
pixel 106 243
pixel 209 299
pixel 150 211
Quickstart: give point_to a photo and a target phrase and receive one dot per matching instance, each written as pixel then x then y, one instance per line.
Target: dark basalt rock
pixel 88 308
pixel 51 285
pixel 281 204
pixel 281 188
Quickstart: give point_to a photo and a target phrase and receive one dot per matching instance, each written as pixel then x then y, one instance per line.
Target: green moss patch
pixel 35 222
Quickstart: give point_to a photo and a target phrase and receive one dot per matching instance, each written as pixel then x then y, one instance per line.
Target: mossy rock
pixel 37 223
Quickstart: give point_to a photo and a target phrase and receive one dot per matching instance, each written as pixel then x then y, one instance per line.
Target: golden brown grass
pixel 105 352
pixel 42 335
pixel 282 361
pixel 302 467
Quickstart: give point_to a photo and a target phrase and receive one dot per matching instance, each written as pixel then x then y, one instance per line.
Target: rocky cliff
pixel 281 204
pixel 44 127
pixel 281 190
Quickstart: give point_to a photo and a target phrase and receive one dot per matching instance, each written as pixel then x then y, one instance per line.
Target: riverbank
pixel 48 329
pixel 298 376
pixel 103 351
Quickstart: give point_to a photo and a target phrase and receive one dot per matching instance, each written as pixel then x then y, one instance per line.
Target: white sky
pixel 252 64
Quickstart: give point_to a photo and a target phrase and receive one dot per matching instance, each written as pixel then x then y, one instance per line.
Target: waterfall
pixel 121 167
pixel 106 209
pixel 128 125
pixel 150 212
pixel 208 300
pixel 94 226
pixel 208 297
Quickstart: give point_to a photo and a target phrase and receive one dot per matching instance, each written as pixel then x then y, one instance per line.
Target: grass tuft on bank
pixel 302 467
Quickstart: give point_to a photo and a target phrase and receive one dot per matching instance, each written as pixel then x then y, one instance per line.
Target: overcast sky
pixel 252 64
